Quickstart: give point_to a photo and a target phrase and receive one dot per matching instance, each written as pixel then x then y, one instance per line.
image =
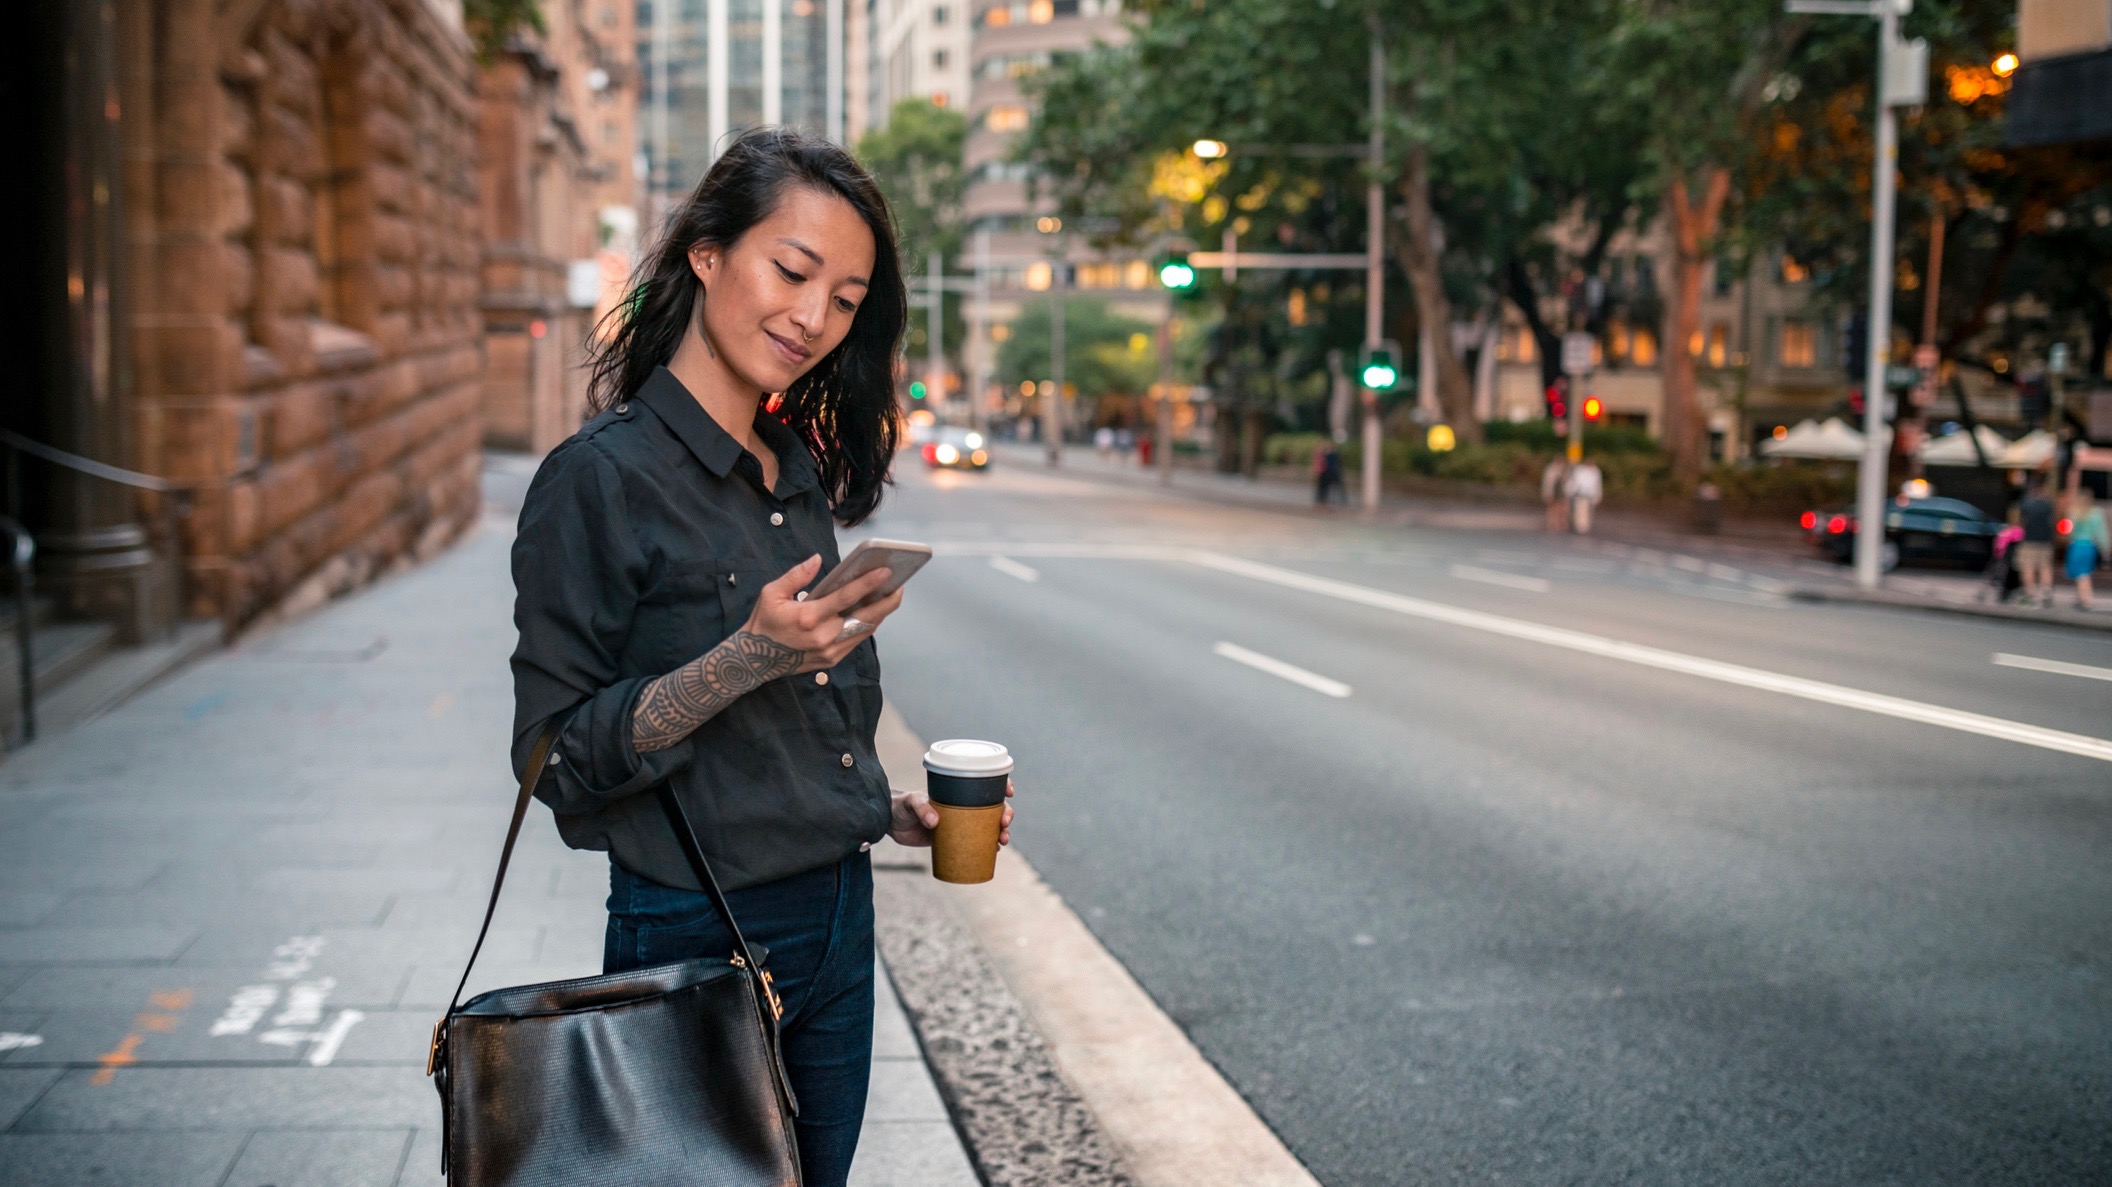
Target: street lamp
pixel 1209 150
pixel 2005 65
pixel 1902 81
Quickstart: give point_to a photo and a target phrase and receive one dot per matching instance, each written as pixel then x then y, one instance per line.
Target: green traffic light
pixel 1176 273
pixel 1380 376
pixel 916 390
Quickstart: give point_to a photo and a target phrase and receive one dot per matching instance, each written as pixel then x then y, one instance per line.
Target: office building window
pixel 1797 345
pixel 1008 117
pixel 938 59
pixel 1792 271
pixel 1719 344
pixel 939 15
pixel 1642 347
pixel 1040 12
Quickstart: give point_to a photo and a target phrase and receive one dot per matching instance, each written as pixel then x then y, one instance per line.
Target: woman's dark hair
pixel 843 408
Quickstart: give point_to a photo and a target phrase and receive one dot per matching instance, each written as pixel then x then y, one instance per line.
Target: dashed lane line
pixel 1506 580
pixel 1281 670
pixel 1012 568
pixel 2033 663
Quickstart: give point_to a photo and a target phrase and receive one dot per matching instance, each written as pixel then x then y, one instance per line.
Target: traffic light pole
pixel 1052 403
pixel 935 330
pixel 1374 268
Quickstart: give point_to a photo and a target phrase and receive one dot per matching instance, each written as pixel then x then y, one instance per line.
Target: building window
pixel 997 17
pixel 939 15
pixel 938 59
pixel 1642 347
pixel 1792 271
pixel 1008 117
pixel 1040 12
pixel 1137 275
pixel 1797 345
pixel 1719 344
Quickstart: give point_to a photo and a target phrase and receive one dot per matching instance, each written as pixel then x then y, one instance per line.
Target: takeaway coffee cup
pixel 966 781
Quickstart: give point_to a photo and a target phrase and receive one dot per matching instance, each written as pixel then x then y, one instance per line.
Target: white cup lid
pixel 966 756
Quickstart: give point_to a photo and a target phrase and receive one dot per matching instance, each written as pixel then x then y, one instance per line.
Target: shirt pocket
pixel 683 616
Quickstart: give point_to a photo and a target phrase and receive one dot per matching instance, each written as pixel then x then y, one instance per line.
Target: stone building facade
pixel 292 329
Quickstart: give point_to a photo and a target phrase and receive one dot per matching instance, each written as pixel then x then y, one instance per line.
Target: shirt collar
pixel 714 446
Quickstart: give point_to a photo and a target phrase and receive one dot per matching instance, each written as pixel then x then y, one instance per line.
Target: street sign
pixel 1576 354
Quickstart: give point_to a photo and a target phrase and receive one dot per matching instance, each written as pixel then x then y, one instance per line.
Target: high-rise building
pixel 713 68
pixel 910 49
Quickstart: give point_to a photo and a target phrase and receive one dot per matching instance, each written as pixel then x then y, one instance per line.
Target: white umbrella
pixel 2029 452
pixel 1957 449
pixel 1832 441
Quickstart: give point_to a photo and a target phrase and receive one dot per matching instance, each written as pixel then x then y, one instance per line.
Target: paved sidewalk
pixel 231 909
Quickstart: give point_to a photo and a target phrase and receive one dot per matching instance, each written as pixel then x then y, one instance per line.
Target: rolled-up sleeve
pixel 577 573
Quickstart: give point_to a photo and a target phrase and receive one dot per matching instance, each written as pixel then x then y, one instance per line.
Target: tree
pixel 492 23
pixel 916 159
pixel 1104 353
pixel 1697 76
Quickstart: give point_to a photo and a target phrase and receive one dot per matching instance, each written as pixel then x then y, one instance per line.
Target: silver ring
pixel 852 626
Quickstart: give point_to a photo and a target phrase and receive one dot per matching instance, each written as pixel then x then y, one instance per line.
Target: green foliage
pixel 492 23
pixel 916 160
pixel 1100 356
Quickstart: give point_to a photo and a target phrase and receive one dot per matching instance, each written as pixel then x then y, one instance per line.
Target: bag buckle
pixel 777 1007
pixel 432 1053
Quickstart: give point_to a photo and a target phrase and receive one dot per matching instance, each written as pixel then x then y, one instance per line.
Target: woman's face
pixel 783 297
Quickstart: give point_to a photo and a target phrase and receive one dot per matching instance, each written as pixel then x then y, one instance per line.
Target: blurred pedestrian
pixel 2087 542
pixel 1585 486
pixel 2002 579
pixel 1104 443
pixel 2033 555
pixel 1554 493
pixel 654 640
pixel 1327 475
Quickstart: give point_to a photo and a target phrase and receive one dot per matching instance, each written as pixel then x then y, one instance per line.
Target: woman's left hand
pixel 914 818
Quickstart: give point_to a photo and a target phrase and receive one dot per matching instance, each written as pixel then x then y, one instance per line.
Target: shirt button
pixel 801 596
pixel 777 519
pixel 622 408
pixel 865 846
pixel 848 760
pixel 821 677
pixel 733 578
pixel 556 758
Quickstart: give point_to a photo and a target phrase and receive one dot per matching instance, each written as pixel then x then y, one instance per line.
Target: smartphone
pixel 900 557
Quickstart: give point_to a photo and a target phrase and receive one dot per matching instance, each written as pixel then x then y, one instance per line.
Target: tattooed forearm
pixel 672 707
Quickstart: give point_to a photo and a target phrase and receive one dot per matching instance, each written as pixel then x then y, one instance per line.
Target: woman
pixel 2086 544
pixel 661 572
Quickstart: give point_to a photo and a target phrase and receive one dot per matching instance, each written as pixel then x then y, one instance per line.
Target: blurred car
pixel 1917 531
pixel 952 448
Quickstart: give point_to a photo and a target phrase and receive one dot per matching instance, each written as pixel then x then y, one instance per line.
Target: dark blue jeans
pixel 818 927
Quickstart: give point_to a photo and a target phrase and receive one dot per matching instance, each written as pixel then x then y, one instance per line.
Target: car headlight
pixel 975 440
pixel 979 457
pixel 948 455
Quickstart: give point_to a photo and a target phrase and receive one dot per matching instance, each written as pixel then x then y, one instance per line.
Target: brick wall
pixel 309 342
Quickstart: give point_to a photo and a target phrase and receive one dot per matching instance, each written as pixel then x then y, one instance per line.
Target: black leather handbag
pixel 658 1077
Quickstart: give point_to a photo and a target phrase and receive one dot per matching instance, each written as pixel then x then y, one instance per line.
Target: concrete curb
pixel 1173 1119
pixel 2081 619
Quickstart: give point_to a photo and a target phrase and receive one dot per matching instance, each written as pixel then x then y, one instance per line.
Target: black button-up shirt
pixel 643 542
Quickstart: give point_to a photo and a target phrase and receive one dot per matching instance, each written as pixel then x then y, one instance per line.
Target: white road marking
pixel 2057 667
pixel 1012 568
pixel 1281 670
pixel 15 1040
pixel 328 1042
pixel 1507 580
pixel 1725 573
pixel 1670 661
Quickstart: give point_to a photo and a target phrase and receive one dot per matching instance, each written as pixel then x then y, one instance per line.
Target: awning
pixel 1832 441
pixel 1957 449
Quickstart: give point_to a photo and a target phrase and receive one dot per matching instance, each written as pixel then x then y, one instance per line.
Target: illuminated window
pixel 1041 12
pixel 1294 311
pixel 1008 117
pixel 1792 271
pixel 997 18
pixel 1642 348
pixel 1620 339
pixel 1797 345
pixel 1137 275
pixel 1719 344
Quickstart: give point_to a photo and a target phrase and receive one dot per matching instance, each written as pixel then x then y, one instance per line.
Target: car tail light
pixel 931 452
pixel 1837 524
pixel 1810 520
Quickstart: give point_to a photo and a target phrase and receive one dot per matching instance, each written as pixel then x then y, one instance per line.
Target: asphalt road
pixel 1521 906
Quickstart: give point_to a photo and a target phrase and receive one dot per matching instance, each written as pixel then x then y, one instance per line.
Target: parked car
pixel 953 448
pixel 1917 531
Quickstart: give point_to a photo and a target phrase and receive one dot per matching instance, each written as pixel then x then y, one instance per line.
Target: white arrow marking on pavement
pixel 1012 568
pixel 1281 670
pixel 327 1043
pixel 2058 668
pixel 12 1040
pixel 1507 580
pixel 1670 661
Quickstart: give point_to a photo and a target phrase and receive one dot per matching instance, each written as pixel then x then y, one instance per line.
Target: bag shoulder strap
pixel 686 837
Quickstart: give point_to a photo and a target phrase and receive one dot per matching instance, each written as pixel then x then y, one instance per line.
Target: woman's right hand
pixel 814 626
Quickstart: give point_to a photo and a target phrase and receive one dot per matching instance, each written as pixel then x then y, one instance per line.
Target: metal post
pixel 1870 480
pixel 934 329
pixel 773 61
pixel 1374 263
pixel 832 104
pixel 1052 404
pixel 978 345
pixel 659 179
pixel 1163 444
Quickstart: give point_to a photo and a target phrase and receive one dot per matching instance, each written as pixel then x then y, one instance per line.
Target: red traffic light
pixel 1593 409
